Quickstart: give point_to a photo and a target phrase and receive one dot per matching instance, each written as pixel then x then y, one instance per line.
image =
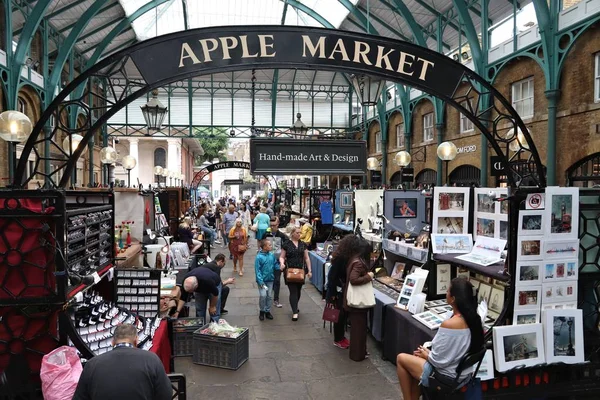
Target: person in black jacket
pixel 216 265
pixel 336 280
pixel 126 372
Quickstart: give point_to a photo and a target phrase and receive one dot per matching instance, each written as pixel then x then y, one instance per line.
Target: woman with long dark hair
pixel 358 273
pixel 461 333
pixel 336 281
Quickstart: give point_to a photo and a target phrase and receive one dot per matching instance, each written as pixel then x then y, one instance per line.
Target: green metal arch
pixel 366 25
pixel 310 12
pixel 412 23
pixel 530 54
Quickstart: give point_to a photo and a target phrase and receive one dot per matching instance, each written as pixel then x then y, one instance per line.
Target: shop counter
pixel 377 320
pixel 403 333
pixel 161 345
pixel 318 270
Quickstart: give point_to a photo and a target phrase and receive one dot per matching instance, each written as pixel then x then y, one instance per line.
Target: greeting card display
pixel 530 248
pixel 429 319
pixel 562 212
pixel 413 285
pixel 528 297
pixel 564 336
pixel 486 251
pixel 451 210
pixel 518 346
pixel 491 215
pixel 559 292
pixel 529 272
pixel 560 270
pixel 531 222
pixel 524 317
pixel 557 249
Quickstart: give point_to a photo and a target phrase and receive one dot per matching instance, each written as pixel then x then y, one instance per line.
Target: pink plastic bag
pixel 60 373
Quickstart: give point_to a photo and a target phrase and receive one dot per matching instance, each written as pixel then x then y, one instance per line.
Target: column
pixel 133 151
pixel 173 161
pixel 552 96
pixel 440 166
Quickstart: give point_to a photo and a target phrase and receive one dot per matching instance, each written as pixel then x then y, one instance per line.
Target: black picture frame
pixel 412 206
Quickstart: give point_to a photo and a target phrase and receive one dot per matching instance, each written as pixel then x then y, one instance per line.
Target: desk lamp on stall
pixel 166 250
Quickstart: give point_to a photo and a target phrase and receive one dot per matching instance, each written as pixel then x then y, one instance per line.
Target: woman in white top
pixel 457 335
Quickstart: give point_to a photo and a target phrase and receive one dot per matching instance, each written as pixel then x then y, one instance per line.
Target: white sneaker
pixel 217 241
pixel 277 304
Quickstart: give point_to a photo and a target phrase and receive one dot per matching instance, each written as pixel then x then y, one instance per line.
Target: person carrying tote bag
pixel 358 283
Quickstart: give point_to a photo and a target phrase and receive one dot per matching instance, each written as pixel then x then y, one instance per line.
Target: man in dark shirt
pixel 278 238
pixel 126 372
pixel 207 285
pixel 216 265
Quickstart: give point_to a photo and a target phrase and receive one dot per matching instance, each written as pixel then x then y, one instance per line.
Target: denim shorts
pixel 427 370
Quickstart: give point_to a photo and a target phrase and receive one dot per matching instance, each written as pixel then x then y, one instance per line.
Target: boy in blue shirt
pixel 264 266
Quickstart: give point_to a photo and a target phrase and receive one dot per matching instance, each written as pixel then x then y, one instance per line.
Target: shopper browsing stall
pixel 294 256
pixel 458 335
pixel 126 372
pixel 265 266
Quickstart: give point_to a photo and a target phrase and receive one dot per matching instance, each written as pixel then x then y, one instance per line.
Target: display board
pixel 130 206
pixel 405 211
pixel 344 206
pixel 450 210
pixel 490 216
pixel 365 206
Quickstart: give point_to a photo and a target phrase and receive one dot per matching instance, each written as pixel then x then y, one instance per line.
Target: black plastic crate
pixel 221 352
pixel 183 335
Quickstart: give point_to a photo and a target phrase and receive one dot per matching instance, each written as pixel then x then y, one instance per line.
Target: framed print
pixel 443 278
pixel 524 317
pixel 486 369
pixel 562 212
pixel 531 222
pixel 484 203
pixel 554 249
pixel 529 248
pixel 451 199
pixel 346 200
pixel 560 270
pixel 464 272
pixel 518 346
pixel 485 227
pixel 398 271
pixel 405 208
pixel 451 243
pixel 448 225
pixel 528 297
pixel 564 336
pixel 402 302
pixel 503 230
pixel 529 272
pixel 496 299
pixel 559 292
pixel 484 293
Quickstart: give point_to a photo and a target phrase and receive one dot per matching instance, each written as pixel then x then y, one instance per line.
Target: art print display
pixel 531 222
pixel 560 270
pixel 486 251
pixel 503 231
pixel 451 201
pixel 564 336
pixel 486 227
pixel 413 285
pixel 556 249
pixel 450 210
pixel 529 272
pixel 485 203
pixel 451 243
pixel 429 319
pixel 489 221
pixel 524 317
pixel 528 297
pixel 405 208
pixel 368 204
pixel 483 293
pixel 562 212
pixel 559 292
pixel 496 299
pixel 443 278
pixel 518 346
pixel 529 248
pixel 449 225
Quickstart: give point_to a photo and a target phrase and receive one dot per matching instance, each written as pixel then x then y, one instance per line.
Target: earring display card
pixel 138 290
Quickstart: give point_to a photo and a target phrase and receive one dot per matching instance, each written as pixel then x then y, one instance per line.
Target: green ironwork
pixel 95 31
pixel 383 126
pixel 185 14
pixel 106 8
pixel 310 12
pixel 366 24
pixel 385 25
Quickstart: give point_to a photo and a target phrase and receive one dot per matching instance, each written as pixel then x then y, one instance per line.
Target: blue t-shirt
pixel 263 221
pixel 326 209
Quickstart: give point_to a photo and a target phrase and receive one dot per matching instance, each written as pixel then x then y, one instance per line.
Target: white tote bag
pixel 360 296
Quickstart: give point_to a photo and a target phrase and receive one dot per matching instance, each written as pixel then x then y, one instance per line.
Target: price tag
pixel 96 277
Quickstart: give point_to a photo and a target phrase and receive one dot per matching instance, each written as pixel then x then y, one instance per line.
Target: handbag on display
pixel 294 275
pixel 360 296
pixel 331 314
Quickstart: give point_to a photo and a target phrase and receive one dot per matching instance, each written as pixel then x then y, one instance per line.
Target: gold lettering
pixel 245 52
pixel 426 65
pixel 264 46
pixel 187 52
pixel 403 63
pixel 307 43
pixel 206 50
pixel 384 58
pixel 228 43
pixel 339 48
pixel 358 53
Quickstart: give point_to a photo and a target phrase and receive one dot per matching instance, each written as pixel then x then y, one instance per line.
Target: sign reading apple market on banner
pixel 291 156
pixel 222 49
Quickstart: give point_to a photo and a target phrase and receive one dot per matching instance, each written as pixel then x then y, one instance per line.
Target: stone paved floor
pixel 288 360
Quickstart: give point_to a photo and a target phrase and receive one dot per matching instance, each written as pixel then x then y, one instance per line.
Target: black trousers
pixel 339 328
pixel 276 285
pixel 358 335
pixel 224 295
pixel 295 293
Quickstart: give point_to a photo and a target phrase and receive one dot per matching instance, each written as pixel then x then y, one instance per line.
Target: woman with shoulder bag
pixel 358 274
pixel 461 333
pixel 295 263
pixel 238 244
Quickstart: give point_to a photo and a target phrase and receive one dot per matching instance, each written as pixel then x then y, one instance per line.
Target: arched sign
pixel 133 72
pixel 198 176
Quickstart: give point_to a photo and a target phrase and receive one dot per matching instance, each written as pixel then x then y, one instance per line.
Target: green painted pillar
pixel 439 128
pixel 552 96
pixel 383 128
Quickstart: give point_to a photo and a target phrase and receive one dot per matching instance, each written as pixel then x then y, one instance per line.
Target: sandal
pixel 241 273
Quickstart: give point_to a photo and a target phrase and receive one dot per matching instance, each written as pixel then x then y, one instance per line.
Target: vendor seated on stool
pixel 462 333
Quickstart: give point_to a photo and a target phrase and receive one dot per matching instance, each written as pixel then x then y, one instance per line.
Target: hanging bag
pixel 360 296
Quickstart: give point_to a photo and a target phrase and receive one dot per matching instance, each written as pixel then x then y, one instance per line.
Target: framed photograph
pixel 561 270
pixel 485 227
pixel 496 299
pixel 443 278
pixel 429 319
pixel 518 346
pixel 524 317
pixel 464 272
pixel 441 310
pixel 485 203
pixel 562 212
pixel 528 297
pixel 503 230
pixel 451 243
pixel 398 271
pixel 529 273
pixel 447 225
pixel 564 336
pixel 559 292
pixel 402 302
pixel 451 199
pixel 561 249
pixel 529 248
pixel 486 369
pixel 531 222
pixel 484 293
pixel 346 200
pixel 405 208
